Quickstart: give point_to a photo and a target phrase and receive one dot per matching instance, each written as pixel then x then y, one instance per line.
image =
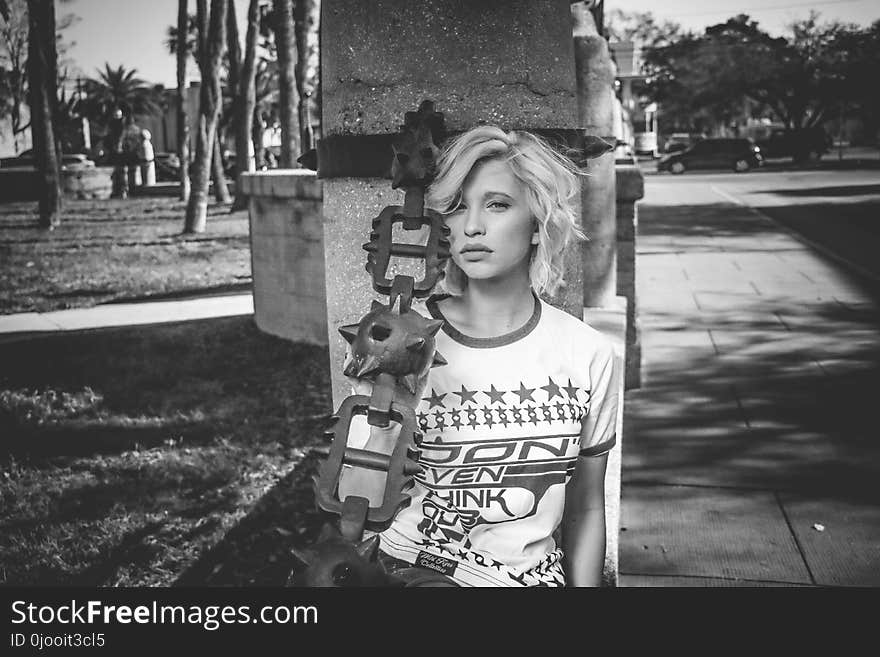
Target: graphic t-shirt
pixel 503 424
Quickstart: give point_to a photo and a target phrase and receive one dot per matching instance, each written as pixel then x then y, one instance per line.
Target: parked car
pixel 738 154
pixel 26 159
pixel 680 141
pixel 808 144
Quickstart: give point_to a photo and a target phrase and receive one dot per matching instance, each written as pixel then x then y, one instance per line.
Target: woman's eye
pixel 499 205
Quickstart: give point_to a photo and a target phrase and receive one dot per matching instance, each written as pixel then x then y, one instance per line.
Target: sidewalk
pixel 25 325
pixel 750 453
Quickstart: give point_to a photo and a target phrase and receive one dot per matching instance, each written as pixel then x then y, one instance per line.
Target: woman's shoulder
pixel 566 328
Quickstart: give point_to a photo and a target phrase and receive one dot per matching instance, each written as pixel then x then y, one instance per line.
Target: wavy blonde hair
pixel 551 182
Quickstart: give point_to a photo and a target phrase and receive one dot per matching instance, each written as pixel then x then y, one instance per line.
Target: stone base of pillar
pixel 611 321
pixel 287 253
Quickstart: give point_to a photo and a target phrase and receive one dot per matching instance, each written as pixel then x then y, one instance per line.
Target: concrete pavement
pixel 750 453
pixel 124 314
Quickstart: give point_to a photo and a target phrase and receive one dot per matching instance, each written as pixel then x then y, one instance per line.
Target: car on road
pixel 741 155
pixel 802 145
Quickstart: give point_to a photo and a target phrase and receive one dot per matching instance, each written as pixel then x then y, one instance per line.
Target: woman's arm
pixel 583 522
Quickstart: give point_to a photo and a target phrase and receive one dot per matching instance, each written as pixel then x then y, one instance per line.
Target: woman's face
pixel 492 231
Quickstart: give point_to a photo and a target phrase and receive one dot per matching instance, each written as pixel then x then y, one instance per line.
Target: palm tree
pixel 212 43
pixel 118 88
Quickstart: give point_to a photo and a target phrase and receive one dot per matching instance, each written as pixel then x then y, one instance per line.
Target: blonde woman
pixel 519 423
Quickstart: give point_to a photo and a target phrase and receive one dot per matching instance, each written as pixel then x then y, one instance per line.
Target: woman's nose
pixel 473 222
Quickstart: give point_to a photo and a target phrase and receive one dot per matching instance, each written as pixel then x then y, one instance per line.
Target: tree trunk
pixel 285 42
pixel 182 116
pixel 213 47
pixel 306 14
pixel 247 100
pixel 257 137
pixel 221 191
pixel 42 79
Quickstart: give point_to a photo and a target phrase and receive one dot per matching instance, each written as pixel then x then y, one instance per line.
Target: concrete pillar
pixel 287 258
pixel 476 60
pixel 603 308
pixel 595 86
pixel 630 188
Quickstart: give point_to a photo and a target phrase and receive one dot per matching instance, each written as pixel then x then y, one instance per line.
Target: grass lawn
pixel 116 249
pixel 156 455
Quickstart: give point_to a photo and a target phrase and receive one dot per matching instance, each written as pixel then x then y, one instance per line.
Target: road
pixel 835 212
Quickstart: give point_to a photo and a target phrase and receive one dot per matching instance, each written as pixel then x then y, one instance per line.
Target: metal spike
pixel 370 364
pixel 439 360
pixel 433 325
pixel 411 382
pixel 414 343
pixel 351 369
pixel 369 548
pixel 321 450
pixel 412 468
pixel 376 305
pixel 349 332
pixel 370 247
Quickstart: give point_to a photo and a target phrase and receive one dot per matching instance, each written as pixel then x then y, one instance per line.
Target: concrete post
pixel 595 85
pixel 603 309
pixel 630 188
pixel 287 258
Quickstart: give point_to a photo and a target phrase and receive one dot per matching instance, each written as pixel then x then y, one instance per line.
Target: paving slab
pixel 627 580
pixel 129 314
pixel 709 532
pixel 846 552
pixel 24 322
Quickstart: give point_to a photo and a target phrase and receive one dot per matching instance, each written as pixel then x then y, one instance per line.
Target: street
pixel 836 212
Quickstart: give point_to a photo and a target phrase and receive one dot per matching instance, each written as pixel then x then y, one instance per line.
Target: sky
pixel 132 32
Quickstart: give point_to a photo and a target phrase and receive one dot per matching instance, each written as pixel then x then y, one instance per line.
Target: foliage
pixel 13 61
pixel 798 78
pixel 642 28
pixel 119 88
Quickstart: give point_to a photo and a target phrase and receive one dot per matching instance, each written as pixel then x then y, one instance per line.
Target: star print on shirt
pixel 466 395
pixel 552 389
pixel 487 417
pixel 495 395
pixel 524 393
pixel 502 417
pixel 423 421
pixel 439 420
pixel 472 418
pixel 456 420
pixel 533 415
pixel 560 410
pixel 517 416
pixel 545 410
pixel 570 390
pixel 434 399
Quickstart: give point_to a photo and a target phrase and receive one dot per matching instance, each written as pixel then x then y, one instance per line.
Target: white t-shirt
pixel 503 424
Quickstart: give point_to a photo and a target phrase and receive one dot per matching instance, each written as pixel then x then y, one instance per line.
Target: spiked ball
pixel 400 344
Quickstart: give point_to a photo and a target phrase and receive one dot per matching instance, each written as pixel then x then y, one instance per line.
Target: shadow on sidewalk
pixel 787 407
